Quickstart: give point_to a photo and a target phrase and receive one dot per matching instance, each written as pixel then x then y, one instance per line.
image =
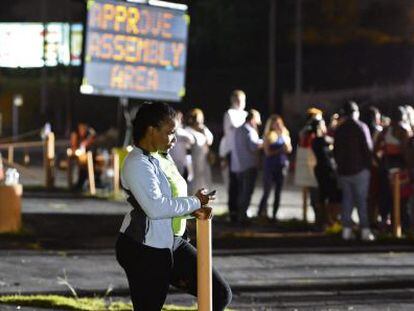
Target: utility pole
pixel 69 86
pixel 298 55
pixel 272 56
pixel 17 102
pixel 43 92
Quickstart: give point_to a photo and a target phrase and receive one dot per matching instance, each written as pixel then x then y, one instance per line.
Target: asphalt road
pixel 300 281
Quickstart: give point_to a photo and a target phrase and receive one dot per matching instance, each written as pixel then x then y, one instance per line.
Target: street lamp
pixel 17 102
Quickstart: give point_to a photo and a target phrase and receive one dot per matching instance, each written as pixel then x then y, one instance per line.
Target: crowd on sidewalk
pixel 346 163
pixel 356 158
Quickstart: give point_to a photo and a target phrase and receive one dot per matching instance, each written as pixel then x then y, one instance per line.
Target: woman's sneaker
pixel 347 234
pixel 366 235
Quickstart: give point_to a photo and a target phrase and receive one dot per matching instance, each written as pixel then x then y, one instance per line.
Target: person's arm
pixel 336 146
pixel 254 142
pixel 139 176
pixel 379 144
pixel 227 124
pixel 186 136
pixel 367 148
pixel 208 135
pixel 90 138
pixel 73 141
pixel 405 137
pixel 288 144
pixel 367 136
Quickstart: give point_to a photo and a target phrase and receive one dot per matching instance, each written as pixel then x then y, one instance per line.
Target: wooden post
pixel 116 171
pixel 396 225
pixel 49 160
pixel 10 208
pixel 204 266
pixel 91 173
pixel 10 155
pixel 305 203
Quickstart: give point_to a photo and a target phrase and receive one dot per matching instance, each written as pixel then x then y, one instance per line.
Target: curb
pixel 304 287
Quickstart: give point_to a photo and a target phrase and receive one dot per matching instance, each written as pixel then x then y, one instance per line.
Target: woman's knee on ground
pixel 222 294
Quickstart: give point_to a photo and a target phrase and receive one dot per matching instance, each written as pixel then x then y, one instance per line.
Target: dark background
pixel 346 44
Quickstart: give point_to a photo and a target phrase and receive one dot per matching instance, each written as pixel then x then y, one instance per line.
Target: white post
pixel 116 171
pixel 49 160
pixel 91 173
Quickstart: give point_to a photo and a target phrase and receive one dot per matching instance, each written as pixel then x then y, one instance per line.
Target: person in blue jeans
pixel 353 156
pixel 277 145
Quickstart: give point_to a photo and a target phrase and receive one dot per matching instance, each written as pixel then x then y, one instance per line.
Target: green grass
pixel 23 233
pixel 79 304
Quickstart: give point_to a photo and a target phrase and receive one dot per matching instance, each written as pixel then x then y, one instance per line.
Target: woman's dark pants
pixel 150 271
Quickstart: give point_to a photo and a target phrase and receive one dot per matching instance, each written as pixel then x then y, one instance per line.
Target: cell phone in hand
pixel 210 194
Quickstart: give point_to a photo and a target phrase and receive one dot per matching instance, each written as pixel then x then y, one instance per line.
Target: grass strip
pixel 78 304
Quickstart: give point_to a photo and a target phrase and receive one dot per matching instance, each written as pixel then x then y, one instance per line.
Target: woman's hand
pixel 223 163
pixel 203 213
pixel 204 197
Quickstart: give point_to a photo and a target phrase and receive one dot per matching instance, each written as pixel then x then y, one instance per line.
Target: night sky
pixel 346 44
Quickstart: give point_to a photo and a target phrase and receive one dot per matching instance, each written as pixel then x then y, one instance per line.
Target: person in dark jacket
pixel 353 155
pixel 325 172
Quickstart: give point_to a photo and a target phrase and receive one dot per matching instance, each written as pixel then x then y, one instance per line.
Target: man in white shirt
pixel 233 119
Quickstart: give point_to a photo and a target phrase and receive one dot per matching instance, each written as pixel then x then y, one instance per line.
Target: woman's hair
pixel 151 114
pixel 398 114
pixel 275 118
pixel 316 125
pixel 193 114
pixel 369 114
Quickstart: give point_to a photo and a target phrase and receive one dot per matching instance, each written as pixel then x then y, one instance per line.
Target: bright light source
pixel 86 89
pixel 137 1
pixel 18 100
pixel 170 5
pixel 129 148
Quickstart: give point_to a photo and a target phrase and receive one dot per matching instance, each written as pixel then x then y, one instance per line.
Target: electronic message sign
pixel 135 50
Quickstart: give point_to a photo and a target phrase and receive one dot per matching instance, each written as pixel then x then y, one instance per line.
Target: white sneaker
pixel 347 234
pixel 366 235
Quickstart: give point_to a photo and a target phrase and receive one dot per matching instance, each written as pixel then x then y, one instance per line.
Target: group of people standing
pixel 356 159
pixel 191 152
pixel 353 164
pixel 239 151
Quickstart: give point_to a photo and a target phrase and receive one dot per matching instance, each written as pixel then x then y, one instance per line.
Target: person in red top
pixel 306 135
pixel 304 174
pixel 390 150
pixel 81 142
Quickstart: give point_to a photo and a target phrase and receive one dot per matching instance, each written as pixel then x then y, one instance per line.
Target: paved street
pixel 357 276
pixel 260 282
